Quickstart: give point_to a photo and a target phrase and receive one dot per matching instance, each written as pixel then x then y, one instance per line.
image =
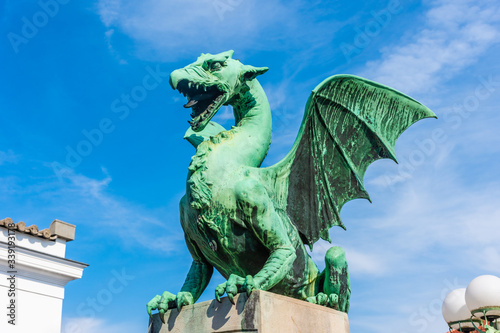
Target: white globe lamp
pixel 483 297
pixel 456 313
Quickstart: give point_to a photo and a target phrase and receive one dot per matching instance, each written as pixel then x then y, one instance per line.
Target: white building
pixel 33 274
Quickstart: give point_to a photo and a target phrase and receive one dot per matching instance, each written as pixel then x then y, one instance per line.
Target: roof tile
pixel 32 229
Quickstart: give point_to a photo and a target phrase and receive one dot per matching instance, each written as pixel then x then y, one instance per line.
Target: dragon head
pixel 211 81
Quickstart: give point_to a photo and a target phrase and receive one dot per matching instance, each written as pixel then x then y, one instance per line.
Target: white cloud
pixel 81 325
pixel 131 223
pixel 426 234
pixel 8 157
pixel 179 28
pixel 168 31
pixel 434 215
pixel 69 199
pixel 109 11
pixel 95 325
pixel 360 263
pixel 455 34
pixel 365 263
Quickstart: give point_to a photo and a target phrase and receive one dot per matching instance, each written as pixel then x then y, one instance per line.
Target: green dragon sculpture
pixel 252 223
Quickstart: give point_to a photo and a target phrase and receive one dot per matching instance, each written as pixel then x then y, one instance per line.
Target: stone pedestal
pixel 263 312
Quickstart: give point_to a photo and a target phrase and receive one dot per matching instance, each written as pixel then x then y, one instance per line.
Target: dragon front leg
pixel 257 211
pixel 276 267
pixel 196 281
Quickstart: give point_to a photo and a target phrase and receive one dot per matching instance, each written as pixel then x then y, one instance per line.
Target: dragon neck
pixel 252 134
pixel 246 144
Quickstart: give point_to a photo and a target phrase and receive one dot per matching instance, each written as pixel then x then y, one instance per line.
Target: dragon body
pixel 252 224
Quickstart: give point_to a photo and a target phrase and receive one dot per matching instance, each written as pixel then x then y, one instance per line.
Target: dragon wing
pixel 349 122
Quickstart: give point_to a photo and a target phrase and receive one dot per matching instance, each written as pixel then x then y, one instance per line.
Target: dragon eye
pixel 215 66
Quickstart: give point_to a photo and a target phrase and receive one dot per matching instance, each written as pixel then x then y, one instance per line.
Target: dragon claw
pixel 219 291
pixel 153 304
pixel 161 303
pixel 249 285
pixel 183 298
pixel 322 299
pixel 162 315
pixel 230 296
pixel 231 287
pixel 331 301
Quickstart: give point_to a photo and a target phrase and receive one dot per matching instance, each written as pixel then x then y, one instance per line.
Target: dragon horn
pixel 251 72
pixel 227 54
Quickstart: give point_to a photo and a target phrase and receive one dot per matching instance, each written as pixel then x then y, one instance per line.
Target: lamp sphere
pixel 483 294
pixel 455 310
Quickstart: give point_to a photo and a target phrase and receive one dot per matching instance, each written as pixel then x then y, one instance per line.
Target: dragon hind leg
pixel 337 277
pixel 334 285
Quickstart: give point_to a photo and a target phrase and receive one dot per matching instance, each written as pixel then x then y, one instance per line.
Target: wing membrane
pixel 349 123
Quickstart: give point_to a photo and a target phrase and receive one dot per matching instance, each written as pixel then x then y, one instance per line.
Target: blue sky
pixel 92 135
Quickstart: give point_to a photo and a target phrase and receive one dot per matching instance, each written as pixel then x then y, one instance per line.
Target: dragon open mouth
pixel 203 100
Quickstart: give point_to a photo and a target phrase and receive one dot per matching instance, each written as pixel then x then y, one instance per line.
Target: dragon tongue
pixel 190 103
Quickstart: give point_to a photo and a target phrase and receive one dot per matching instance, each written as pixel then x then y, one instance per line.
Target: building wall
pixel 40 274
pixel 36 311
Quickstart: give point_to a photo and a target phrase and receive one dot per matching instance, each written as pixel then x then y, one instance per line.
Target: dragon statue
pixel 251 223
